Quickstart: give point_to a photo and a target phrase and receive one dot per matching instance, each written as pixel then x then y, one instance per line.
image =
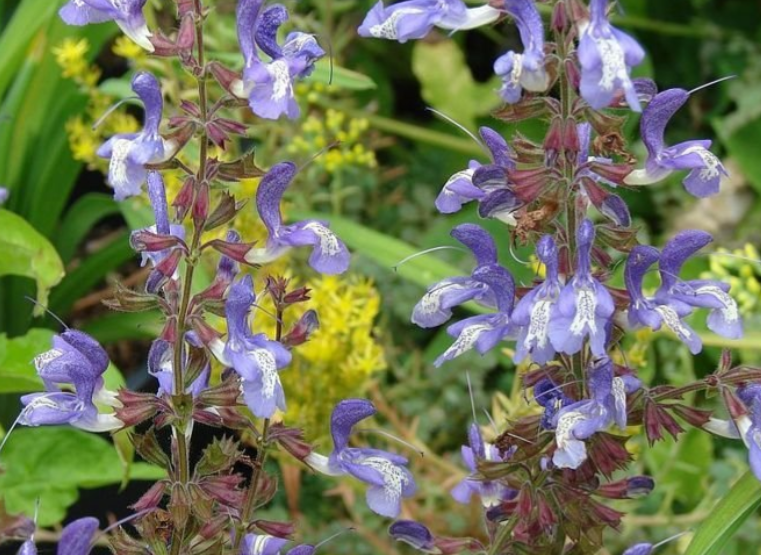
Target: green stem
pixel 178 383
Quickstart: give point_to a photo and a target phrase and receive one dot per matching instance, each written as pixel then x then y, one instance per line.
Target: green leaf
pixel 90 272
pixel 448 85
pixel 79 220
pixel 726 517
pixel 52 463
pixel 17 372
pixel 24 252
pixel 340 77
pixel 28 18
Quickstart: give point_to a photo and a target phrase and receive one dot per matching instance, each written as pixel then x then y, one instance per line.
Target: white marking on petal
pixel 117 167
pixel 586 305
pixel 515 75
pixel 673 321
pixel 619 395
pixel 431 301
pixel 297 44
pixel 270 378
pixel 329 244
pixel 260 542
pixel 711 163
pixel 394 478
pixel 539 324
pixel 43 359
pixel 139 35
pixel 566 424
pixel 613 63
pixel 387 29
pixel 281 79
pixel 729 306
pixel 466 340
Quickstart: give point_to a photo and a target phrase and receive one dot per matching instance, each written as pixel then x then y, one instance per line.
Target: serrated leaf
pixel 24 252
pixel 726 517
pixel 52 463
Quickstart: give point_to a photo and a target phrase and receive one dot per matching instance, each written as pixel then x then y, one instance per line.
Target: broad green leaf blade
pixel 53 463
pixel 79 220
pixel 90 272
pixel 448 85
pixel 17 372
pixel 727 516
pixel 24 252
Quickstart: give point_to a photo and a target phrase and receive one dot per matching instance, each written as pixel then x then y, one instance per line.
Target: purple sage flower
pixel 532 314
pixel 329 254
pixel 484 332
pixel 254 358
pixel 261 544
pixel 157 197
pixel 654 312
pixel 414 19
pixel 585 306
pixel 76 361
pixel 128 153
pixel 269 86
pixel 578 421
pixel 552 398
pixel 385 473
pixel 435 307
pixel 606 56
pixel 76 539
pixel 127 14
pixel 706 170
pixel 3 195
pixel 523 71
pixel 488 184
pixel 491 493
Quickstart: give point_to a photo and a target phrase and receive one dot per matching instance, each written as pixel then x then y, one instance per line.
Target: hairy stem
pixel 178 389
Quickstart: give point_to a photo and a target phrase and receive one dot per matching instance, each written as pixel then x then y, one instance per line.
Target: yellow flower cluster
pixel 71 56
pixel 741 269
pixel 317 133
pixel 341 355
pixel 126 48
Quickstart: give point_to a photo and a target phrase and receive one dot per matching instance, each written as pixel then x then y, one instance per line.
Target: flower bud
pixel 201 205
pixel 225 211
pixel 302 330
pixel 224 76
pixel 693 416
pixel 184 199
pixel 559 18
pixel 137 407
pixel 628 488
pixel 147 241
pixel 235 251
pixel 223 488
pixel 148 447
pixel 179 505
pixel 151 498
pixel 277 529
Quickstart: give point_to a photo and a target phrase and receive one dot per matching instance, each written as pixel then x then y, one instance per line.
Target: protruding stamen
pixel 330 538
pixel 728 77
pixel 319 153
pixel 391 436
pixel 111 110
pixel 8 433
pixel 426 251
pixel 461 127
pixel 675 536
pixel 51 313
